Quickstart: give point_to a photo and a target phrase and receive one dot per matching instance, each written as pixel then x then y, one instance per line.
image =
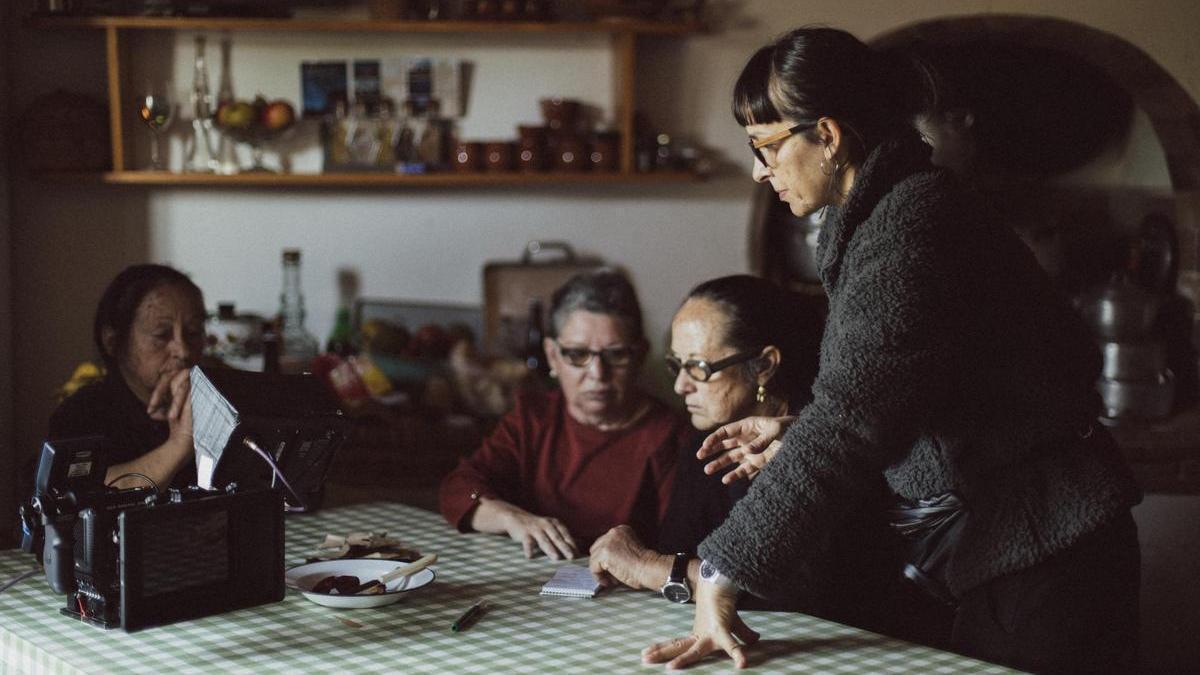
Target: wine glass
pixel 156 109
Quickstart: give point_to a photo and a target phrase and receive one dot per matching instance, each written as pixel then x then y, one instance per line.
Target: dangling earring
pixel 553 374
pixel 761 396
pixel 837 168
pixel 826 171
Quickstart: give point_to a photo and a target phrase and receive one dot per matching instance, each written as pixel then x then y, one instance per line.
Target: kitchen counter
pixel 1164 454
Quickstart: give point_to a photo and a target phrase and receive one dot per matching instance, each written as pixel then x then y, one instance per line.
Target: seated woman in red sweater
pixel 566 465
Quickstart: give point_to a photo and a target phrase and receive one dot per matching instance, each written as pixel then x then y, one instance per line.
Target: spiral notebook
pixel 572 581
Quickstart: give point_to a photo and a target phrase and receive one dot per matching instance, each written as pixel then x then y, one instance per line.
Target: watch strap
pixel 679 567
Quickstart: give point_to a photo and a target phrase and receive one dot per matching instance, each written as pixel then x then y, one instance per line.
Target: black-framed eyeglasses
pixel 580 357
pixel 757 146
pixel 700 370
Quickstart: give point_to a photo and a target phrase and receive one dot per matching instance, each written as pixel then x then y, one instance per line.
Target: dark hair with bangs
pixel 815 72
pixel 751 98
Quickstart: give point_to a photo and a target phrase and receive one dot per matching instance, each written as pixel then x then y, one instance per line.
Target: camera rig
pixel 134 557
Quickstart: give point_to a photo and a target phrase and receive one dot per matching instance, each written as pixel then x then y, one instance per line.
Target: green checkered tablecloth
pixel 522 632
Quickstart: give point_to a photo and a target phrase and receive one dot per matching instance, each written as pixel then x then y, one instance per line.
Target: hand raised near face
pixel 162 397
pixel 174 404
pixel 749 443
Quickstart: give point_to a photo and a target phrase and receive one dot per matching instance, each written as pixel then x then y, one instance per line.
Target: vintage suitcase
pixel 510 287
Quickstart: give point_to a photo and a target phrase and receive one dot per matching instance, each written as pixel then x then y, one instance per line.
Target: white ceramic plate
pixel 304 577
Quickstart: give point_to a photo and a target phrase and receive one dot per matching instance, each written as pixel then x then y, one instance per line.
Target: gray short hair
pixel 604 291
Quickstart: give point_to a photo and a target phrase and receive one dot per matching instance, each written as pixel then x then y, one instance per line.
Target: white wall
pixel 68 240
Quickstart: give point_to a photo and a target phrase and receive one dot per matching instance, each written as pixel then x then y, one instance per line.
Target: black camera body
pixel 135 558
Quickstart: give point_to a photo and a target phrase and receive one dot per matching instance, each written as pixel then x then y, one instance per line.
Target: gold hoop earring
pixel 831 172
pixel 761 396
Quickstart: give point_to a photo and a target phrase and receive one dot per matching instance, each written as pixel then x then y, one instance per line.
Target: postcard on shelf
pixel 423 86
pixel 322 85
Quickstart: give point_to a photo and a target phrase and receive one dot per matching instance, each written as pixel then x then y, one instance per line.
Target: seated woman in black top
pixel 149 329
pixel 734 354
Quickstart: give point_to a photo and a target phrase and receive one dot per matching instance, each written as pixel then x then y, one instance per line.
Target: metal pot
pixel 1120 311
pixel 1137 399
pixel 1134 360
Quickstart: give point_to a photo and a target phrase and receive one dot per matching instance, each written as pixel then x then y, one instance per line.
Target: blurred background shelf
pixel 364 180
pixel 646 27
pixel 120 32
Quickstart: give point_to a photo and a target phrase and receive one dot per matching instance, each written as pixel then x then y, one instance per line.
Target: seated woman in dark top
pixel 733 355
pixel 149 329
pixel 564 466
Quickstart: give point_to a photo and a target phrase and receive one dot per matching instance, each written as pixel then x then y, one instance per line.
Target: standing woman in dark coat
pixel 949 366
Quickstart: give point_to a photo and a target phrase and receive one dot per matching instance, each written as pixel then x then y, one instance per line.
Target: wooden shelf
pixel 121 31
pixel 636 26
pixel 364 179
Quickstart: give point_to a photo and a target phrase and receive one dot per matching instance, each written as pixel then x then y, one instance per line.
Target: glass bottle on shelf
pixel 226 160
pixel 535 354
pixel 270 346
pixel 299 347
pixel 341 340
pixel 201 157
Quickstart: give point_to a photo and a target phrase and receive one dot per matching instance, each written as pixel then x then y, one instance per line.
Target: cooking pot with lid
pixel 1137 399
pixel 1144 360
pixel 1120 311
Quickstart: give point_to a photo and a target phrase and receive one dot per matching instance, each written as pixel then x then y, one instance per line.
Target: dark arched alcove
pixel 1050 96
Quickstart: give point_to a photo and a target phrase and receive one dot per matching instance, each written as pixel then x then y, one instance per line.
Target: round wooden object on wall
pixel 65 131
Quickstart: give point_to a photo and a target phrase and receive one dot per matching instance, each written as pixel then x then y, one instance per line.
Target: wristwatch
pixel 677 589
pixel 710 574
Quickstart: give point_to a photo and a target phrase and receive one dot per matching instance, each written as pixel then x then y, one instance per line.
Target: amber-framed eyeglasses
pixel 757 146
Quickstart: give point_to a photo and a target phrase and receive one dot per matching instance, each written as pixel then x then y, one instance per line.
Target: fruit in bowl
pixel 256 122
pixel 260 119
pixel 277 115
pixel 235 115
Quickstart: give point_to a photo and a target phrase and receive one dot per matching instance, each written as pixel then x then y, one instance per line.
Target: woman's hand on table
pixel 749 443
pixel 619 557
pixel 717 626
pixel 534 533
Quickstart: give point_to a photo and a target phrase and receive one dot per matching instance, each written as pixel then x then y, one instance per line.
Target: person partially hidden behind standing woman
pixel 950 367
pixel 733 355
pixel 149 330
pixel 564 466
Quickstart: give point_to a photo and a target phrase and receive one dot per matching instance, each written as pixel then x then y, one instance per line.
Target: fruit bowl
pixel 256 123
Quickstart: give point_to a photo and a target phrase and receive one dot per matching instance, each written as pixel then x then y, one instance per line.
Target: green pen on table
pixel 470 616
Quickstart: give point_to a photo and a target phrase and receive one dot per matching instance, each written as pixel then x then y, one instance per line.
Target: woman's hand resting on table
pixel 535 533
pixel 716 626
pixel 750 443
pixel 620 557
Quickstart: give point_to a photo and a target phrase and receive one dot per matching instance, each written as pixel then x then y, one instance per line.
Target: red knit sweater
pixel 541 459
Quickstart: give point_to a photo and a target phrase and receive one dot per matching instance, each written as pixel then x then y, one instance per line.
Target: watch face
pixel 677 592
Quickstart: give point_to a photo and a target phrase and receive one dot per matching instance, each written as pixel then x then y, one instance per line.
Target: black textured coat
pixel 948 363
